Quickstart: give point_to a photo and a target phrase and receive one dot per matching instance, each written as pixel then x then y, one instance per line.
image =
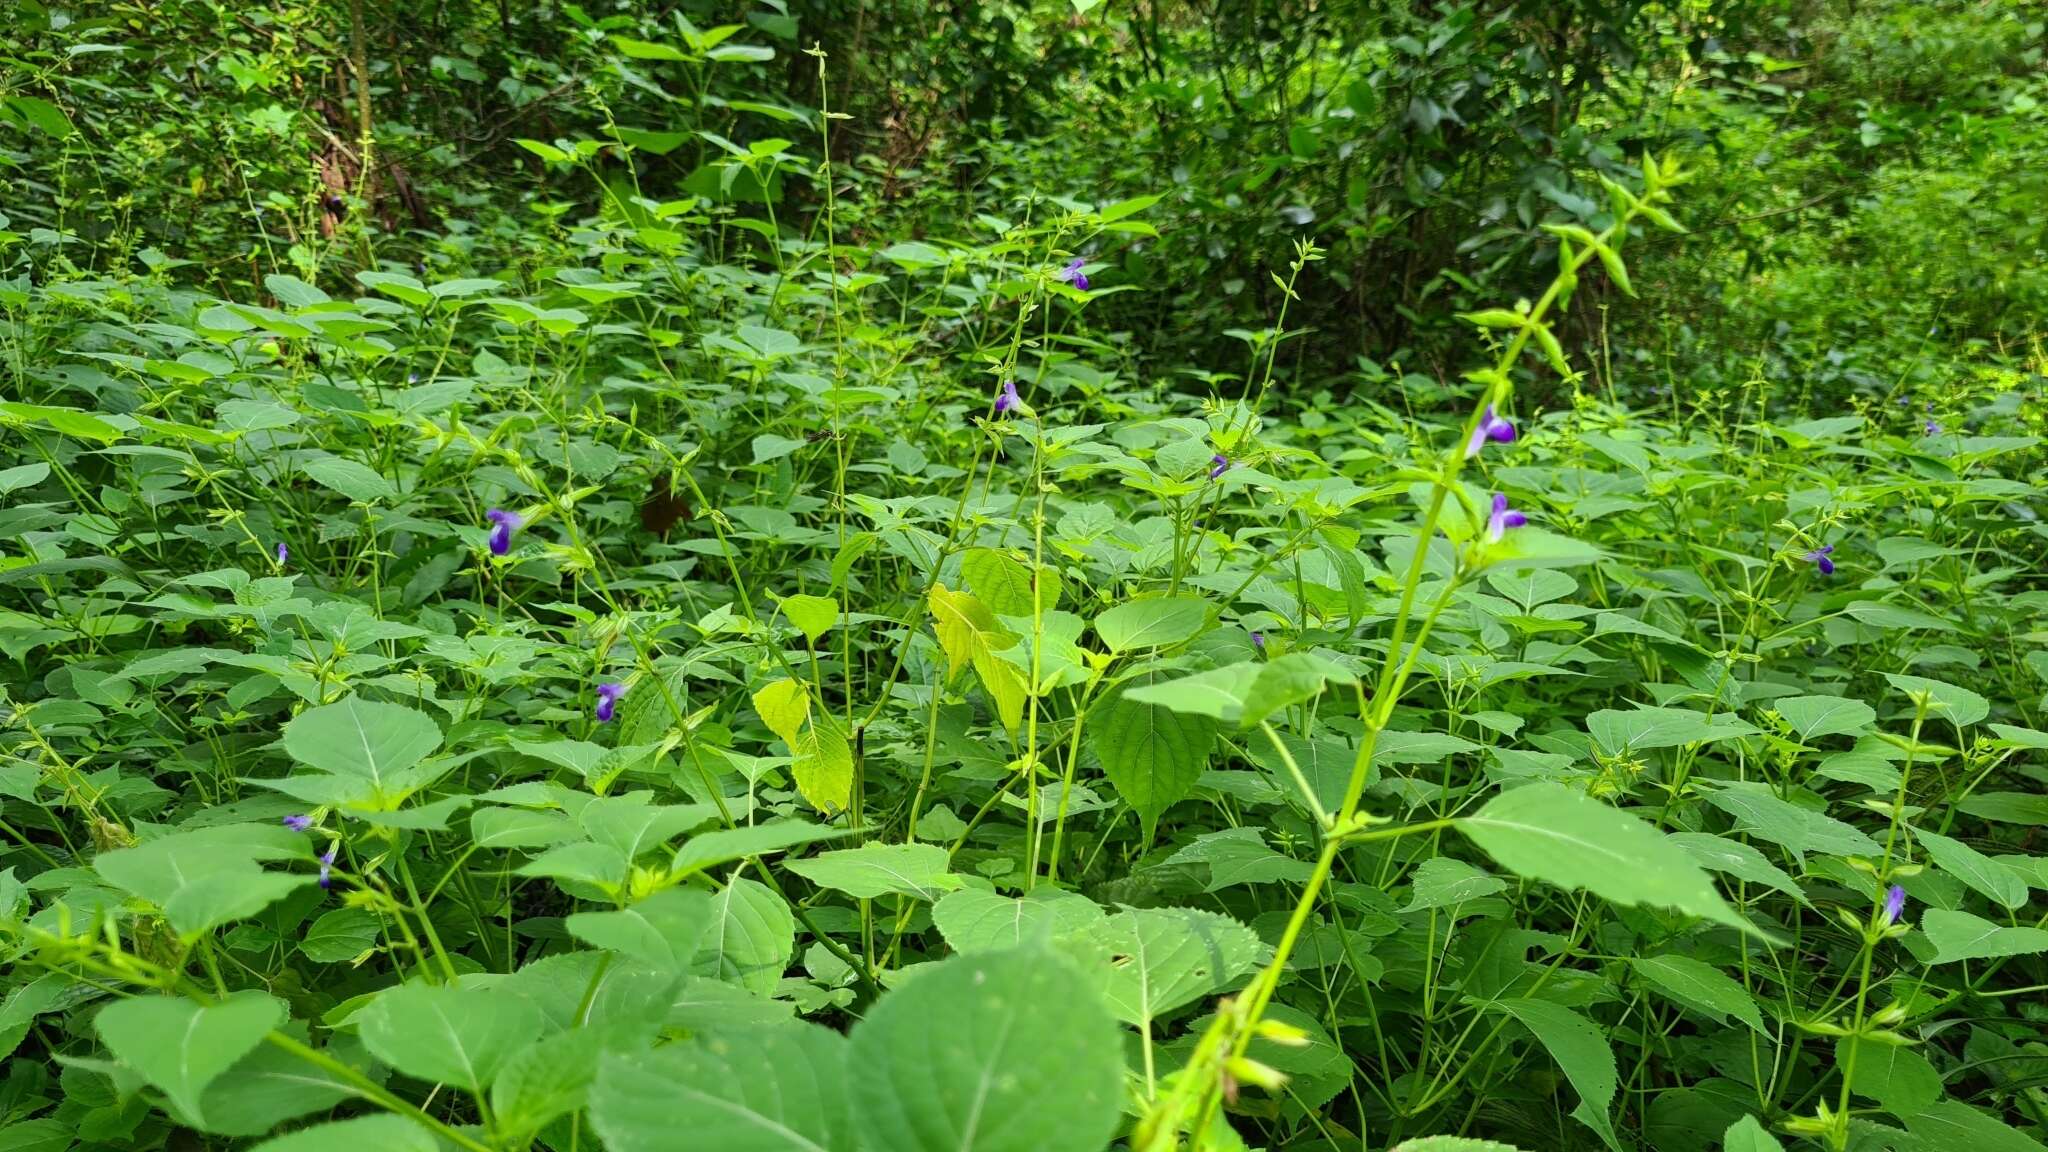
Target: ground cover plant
pixel 1038 576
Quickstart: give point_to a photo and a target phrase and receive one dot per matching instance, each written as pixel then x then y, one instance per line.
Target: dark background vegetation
pixel 1873 173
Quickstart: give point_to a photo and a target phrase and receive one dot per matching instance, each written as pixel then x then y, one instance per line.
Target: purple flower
pixel 1503 518
pixel 1490 427
pixel 1219 464
pixel 283 553
pixel 1259 641
pixel 412 377
pixel 1072 274
pixel 1819 556
pixel 1008 398
pixel 327 865
pixel 608 700
pixel 1894 903
pixel 501 535
pixel 298 823
pixel 1934 427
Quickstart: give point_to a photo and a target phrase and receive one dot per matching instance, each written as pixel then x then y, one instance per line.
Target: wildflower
pixel 1503 518
pixel 327 865
pixel 1219 465
pixel 298 822
pixel 501 535
pixel 283 553
pixel 1008 399
pixel 412 377
pixel 608 700
pixel 1934 427
pixel 1894 903
pixel 1259 641
pixel 1072 274
pixel 1490 427
pixel 1819 556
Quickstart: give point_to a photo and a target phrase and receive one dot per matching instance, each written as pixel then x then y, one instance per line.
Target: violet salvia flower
pixel 327 865
pixel 1219 464
pixel 505 523
pixel 1490 427
pixel 1934 427
pixel 1502 519
pixel 283 553
pixel 1819 556
pixel 1259 641
pixel 298 822
pixel 608 701
pixel 1894 903
pixel 1008 398
pixel 1072 274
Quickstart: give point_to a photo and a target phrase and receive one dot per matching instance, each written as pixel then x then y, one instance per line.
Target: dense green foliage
pixel 873 575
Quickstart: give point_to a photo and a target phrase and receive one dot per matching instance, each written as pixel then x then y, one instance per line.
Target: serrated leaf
pixel 994 1052
pixel 776 1089
pixel 1551 833
pixel 179 1045
pixel 1995 881
pixel 1152 623
pixel 448 1035
pixel 385 1133
pixel 1961 936
pixel 1146 962
pixel 1579 1048
pixel 916 870
pixel 1700 986
pixel 1152 754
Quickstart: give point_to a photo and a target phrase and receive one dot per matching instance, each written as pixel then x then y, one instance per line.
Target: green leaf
pixel 1151 623
pixel 751 938
pixel 777 1089
pixel 1579 1048
pixel 1453 1144
pixel 1959 706
pixel 813 615
pixel 664 929
pixel 1549 832
pixel 1747 1135
pixel 1739 860
pixel 1894 1075
pixel 973 920
pixel 1150 961
pixel 727 844
pixel 22 476
pixel 448 1035
pixel 356 481
pixel 1812 716
pixel 993 1052
pixel 47 117
pixel 1004 583
pixel 384 1133
pixel 208 876
pixel 1152 754
pixel 550 1077
pixel 917 870
pixel 1445 882
pixel 270 1086
pixel 342 935
pixel 2000 884
pixel 180 1046
pixel 968 633
pixel 1761 812
pixel 1951 1124
pixel 1701 987
pixel 1961 936
pixel 365 740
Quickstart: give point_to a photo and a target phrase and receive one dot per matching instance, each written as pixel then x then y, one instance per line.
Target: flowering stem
pixel 1234 1029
